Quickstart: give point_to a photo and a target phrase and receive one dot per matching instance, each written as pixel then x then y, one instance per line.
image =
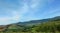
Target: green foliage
pixel 47 27
pixel 51 26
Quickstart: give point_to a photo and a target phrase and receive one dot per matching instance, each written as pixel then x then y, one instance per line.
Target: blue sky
pixel 13 11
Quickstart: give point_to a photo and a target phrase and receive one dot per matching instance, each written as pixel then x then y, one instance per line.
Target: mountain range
pixel 22 25
pixel 34 22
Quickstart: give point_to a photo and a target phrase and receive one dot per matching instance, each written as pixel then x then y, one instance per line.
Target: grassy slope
pixel 47 27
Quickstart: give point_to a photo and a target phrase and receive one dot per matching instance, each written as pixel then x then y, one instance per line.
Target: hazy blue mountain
pixel 34 22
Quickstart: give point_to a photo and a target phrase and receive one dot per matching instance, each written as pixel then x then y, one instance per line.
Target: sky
pixel 13 11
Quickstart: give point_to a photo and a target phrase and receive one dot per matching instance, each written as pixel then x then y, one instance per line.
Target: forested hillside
pixel 52 25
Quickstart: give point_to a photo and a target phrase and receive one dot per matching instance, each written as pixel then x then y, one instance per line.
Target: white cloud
pixel 17 15
pixel 29 8
pixel 24 9
pixel 34 3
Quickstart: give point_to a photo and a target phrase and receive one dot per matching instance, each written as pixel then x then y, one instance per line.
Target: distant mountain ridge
pixel 38 21
pixel 28 23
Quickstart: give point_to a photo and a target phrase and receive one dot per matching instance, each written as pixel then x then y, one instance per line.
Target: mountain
pixel 34 22
pixel 28 25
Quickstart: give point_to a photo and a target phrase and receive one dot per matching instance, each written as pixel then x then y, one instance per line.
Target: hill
pixel 34 22
pixel 44 25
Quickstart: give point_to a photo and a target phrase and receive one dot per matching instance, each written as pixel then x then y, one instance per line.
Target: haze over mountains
pixel 30 23
pixel 36 21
